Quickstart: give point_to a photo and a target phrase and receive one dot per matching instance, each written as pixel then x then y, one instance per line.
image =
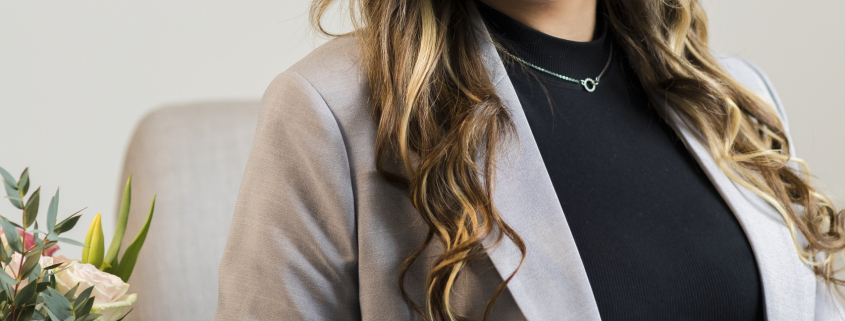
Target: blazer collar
pixel 552 284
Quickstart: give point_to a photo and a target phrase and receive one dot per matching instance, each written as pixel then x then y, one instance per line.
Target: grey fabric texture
pixel 193 156
pixel 318 234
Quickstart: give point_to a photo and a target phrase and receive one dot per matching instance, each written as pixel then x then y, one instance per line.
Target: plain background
pixel 76 76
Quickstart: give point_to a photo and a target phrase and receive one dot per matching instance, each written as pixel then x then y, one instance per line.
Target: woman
pixel 539 160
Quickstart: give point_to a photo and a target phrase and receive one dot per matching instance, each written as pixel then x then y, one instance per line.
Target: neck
pixel 573 20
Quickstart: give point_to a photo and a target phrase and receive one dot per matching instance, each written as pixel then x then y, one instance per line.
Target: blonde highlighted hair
pixel 437 110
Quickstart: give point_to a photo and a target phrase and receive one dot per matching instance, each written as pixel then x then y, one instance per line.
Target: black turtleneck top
pixel 657 240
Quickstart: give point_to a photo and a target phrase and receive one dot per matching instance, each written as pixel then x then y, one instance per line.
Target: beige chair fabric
pixel 193 156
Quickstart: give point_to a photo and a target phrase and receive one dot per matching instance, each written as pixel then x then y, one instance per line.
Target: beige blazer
pixel 318 234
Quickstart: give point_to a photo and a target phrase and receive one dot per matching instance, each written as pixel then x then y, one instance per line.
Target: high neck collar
pixel 570 58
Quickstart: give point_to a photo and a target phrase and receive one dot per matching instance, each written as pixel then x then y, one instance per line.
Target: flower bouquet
pixel 36 285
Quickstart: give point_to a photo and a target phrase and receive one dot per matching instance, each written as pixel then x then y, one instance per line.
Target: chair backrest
pixel 193 156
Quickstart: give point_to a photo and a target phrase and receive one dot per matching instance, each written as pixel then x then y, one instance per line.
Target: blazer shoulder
pixel 752 77
pixel 334 71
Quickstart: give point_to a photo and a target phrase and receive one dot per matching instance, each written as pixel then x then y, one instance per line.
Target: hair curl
pixel 437 110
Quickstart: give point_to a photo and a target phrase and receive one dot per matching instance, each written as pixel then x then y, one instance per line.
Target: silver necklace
pixel 588 83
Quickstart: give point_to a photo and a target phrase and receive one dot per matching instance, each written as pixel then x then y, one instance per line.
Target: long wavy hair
pixel 438 112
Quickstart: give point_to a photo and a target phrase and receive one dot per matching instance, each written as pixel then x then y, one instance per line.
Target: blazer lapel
pixel 788 284
pixel 552 283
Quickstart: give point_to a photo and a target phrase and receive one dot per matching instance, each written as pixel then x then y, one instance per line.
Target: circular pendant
pixel 589 84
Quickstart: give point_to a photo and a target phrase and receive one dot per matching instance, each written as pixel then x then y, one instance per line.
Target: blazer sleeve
pixel 828 307
pixel 292 247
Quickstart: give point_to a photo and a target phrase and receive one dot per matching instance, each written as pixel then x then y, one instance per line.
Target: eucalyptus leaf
pixel 82 306
pixel 16 225
pixel 6 281
pixel 33 277
pixel 42 286
pixel 57 305
pixel 39 247
pixel 14 196
pixel 5 256
pixel 52 212
pixel 53 266
pixel 8 178
pixel 90 317
pixel 71 241
pixel 71 293
pixel 26 313
pixel 30 212
pixel 66 224
pixel 23 183
pixel 85 294
pixel 25 294
pixel 130 256
pixel 29 266
pixel 50 314
pixel 124 316
pixel 12 235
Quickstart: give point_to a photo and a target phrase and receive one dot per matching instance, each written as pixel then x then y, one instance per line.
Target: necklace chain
pixel 589 84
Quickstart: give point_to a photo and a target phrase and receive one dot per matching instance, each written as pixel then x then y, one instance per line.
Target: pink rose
pixel 29 242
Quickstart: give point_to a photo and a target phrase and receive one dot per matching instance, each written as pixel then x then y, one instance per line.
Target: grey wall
pixel 76 76
pixel 799 44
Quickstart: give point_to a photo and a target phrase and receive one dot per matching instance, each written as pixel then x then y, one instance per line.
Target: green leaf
pixel 124 316
pixel 8 178
pixel 120 229
pixel 40 247
pixel 84 295
pixel 52 212
pixel 16 225
pixel 90 317
pixel 30 212
pixel 53 266
pixel 14 196
pixel 50 313
pixel 71 293
pixel 12 235
pixel 57 305
pixel 37 315
pixel 23 183
pixel 26 313
pixel 25 294
pixel 82 306
pixel 33 277
pixel 11 188
pixel 66 224
pixel 130 256
pixel 5 256
pixel 6 281
pixel 42 286
pixel 29 265
pixel 70 241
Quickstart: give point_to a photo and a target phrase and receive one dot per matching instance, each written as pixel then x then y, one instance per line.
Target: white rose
pixel 109 293
pixel 13 266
